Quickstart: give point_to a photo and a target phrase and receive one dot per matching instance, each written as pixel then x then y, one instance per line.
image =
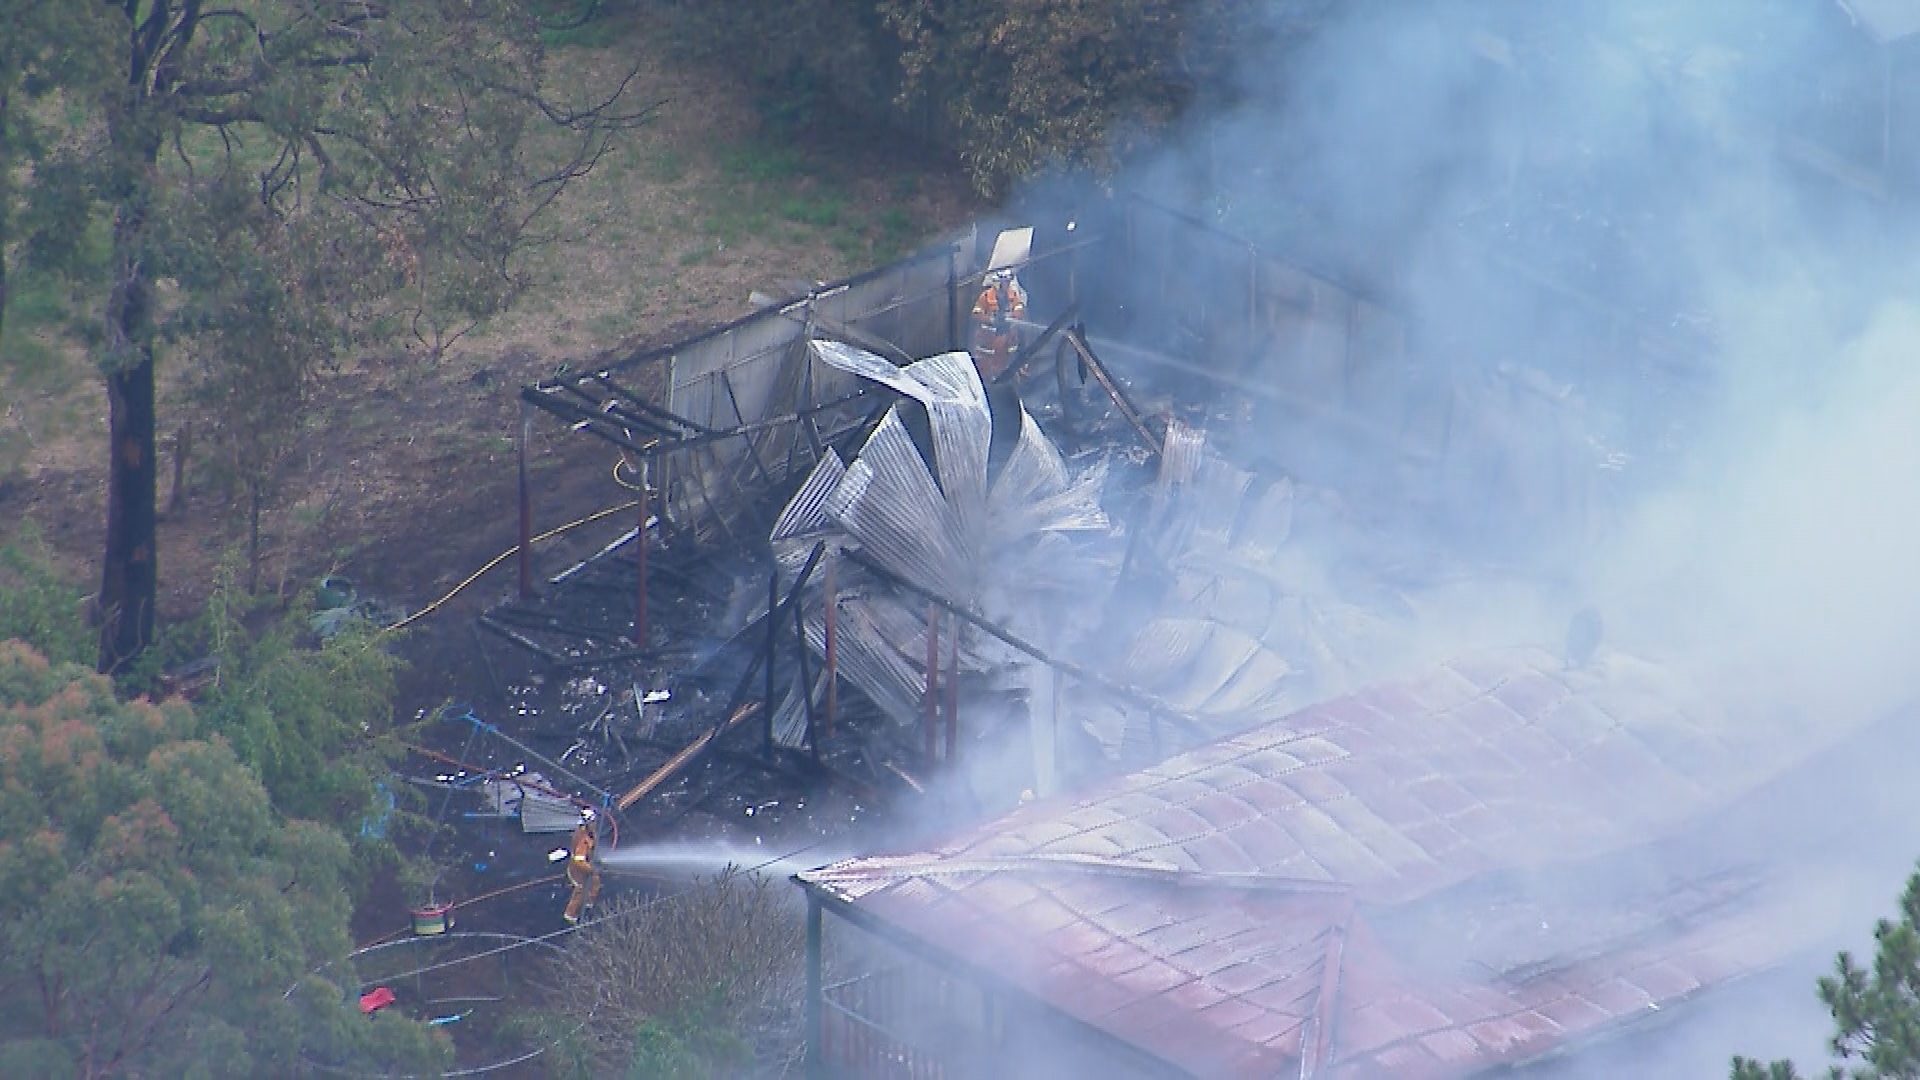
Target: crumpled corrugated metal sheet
pixel 949 387
pixel 790 719
pixel 879 642
pixel 804 521
pixel 1398 794
pixel 944 527
pixel 1210 670
pixel 1033 492
pixel 890 504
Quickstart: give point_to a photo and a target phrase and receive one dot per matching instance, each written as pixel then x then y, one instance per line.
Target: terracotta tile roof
pixel 1234 908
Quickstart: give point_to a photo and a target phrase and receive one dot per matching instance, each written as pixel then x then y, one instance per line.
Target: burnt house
pixel 892 565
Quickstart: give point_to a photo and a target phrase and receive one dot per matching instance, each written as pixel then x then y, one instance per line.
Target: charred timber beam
pixel 657 569
pixel 1076 338
pixel 1025 356
pixel 617 543
pixel 652 409
pixel 758 426
pixel 592 421
pixel 613 409
pixel 685 757
pixel 823 326
pixel 596 423
pixel 619 656
pixel 536 620
pixel 1131 694
pixel 527 643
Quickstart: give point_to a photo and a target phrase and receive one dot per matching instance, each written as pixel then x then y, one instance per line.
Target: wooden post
pixel 640 562
pixel 833 666
pixel 932 699
pixel 526 507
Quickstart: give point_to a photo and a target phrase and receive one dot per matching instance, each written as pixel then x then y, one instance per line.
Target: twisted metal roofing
pixel 1262 903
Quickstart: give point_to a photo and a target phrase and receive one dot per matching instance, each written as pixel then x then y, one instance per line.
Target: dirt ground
pixel 404 479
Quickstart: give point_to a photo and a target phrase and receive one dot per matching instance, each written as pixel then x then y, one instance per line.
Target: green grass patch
pixel 822 210
pixel 897 233
pixel 733 223
pixel 608 325
pixel 30 358
pixel 39 603
pixel 668 166
pixel 34 303
pixel 762 162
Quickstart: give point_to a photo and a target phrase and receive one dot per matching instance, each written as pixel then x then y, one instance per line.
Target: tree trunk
pixel 129 578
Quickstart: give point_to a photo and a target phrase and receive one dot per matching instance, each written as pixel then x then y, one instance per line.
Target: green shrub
pixel 41 605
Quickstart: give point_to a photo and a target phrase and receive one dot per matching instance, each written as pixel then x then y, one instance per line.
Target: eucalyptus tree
pixel 157 916
pixel 276 180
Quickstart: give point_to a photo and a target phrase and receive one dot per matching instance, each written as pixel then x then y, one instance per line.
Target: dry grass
pixel 717 968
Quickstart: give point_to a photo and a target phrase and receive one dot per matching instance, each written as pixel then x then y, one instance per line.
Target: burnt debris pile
pixel 983 524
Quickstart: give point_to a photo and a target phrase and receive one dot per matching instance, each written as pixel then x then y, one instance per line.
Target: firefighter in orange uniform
pixel 582 874
pixel 995 337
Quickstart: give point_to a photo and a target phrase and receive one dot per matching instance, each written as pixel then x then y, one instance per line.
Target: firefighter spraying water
pixel 996 337
pixel 583 873
pixel 1001 307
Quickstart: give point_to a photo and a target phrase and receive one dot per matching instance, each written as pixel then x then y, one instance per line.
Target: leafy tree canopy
pixel 154 910
pixel 1014 87
pixel 1876 1012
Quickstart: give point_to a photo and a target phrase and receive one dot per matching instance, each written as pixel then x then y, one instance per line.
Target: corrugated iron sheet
pixel 871 635
pixel 948 386
pixel 956 535
pixel 888 501
pixel 1394 795
pixel 805 521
